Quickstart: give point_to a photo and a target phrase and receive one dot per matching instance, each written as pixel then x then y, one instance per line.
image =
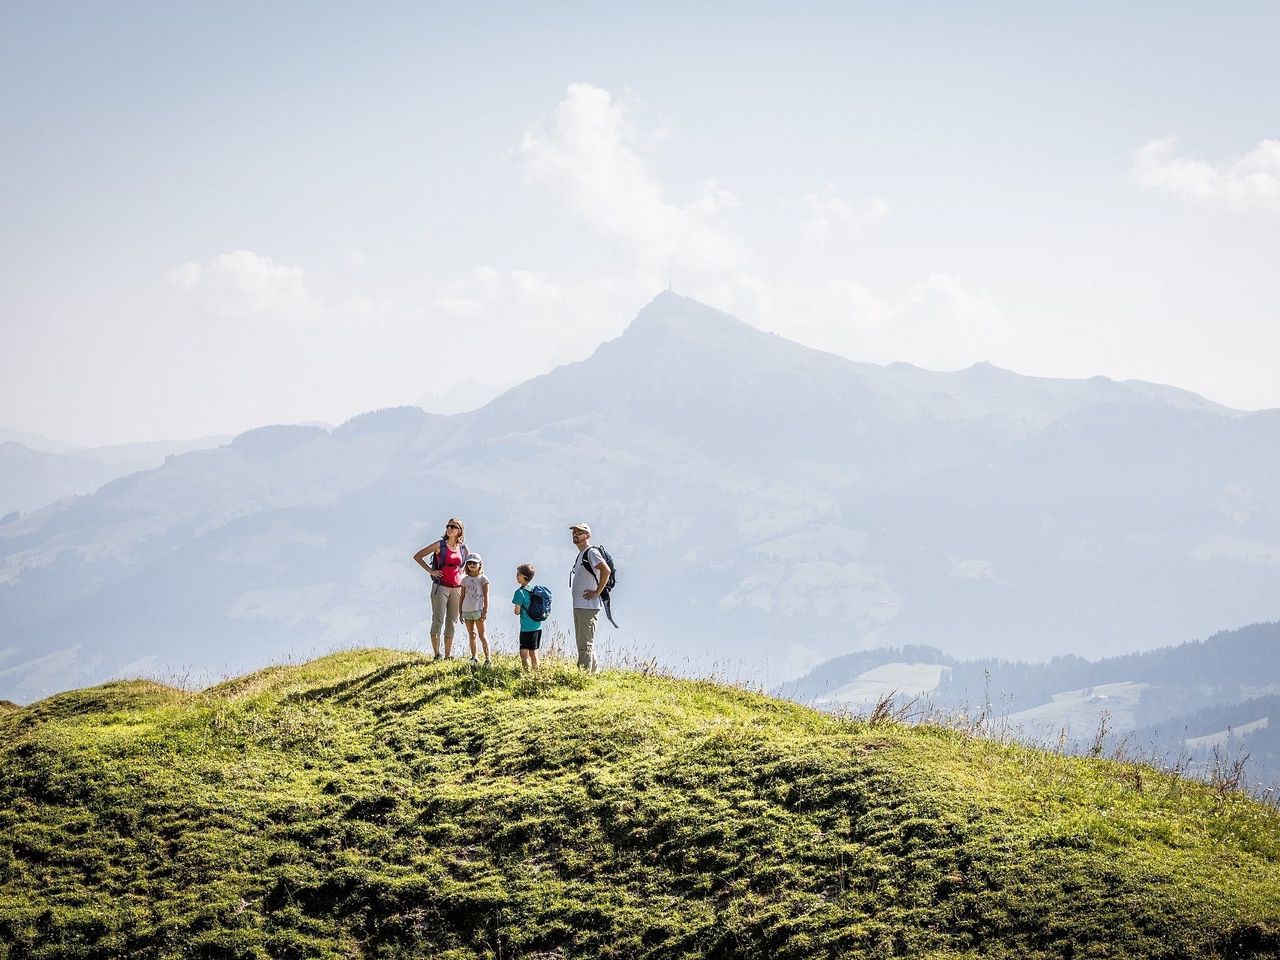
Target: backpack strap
pixel 586 562
pixel 441 545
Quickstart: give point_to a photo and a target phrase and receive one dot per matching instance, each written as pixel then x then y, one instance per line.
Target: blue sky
pixel 216 218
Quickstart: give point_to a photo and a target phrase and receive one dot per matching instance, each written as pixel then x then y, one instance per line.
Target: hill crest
pixel 374 803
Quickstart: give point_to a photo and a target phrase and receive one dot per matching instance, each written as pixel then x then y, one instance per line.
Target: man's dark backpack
pixel 539 605
pixel 613 578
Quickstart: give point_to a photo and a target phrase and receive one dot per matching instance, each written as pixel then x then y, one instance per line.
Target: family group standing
pixel 460 590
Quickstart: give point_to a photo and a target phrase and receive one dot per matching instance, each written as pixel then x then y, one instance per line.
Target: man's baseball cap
pixel 581 526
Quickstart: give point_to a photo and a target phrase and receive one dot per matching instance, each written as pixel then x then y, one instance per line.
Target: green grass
pixel 374 804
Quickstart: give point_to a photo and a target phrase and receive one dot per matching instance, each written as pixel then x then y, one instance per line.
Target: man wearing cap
pixel 589 578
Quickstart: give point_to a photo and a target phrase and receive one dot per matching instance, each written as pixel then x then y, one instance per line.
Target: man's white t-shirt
pixel 584 580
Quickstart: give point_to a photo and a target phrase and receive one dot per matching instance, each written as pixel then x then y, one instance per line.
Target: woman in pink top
pixel 448 554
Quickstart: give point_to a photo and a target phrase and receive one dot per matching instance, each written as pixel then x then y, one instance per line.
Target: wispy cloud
pixel 798 282
pixel 251 288
pixel 588 153
pixel 1250 182
pixel 486 288
pixel 246 284
pixel 938 324
pixel 493 307
pixel 830 213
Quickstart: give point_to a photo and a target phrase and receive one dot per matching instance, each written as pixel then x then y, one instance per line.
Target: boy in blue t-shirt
pixel 530 629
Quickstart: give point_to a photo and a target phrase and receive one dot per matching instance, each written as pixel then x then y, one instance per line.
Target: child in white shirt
pixel 475 604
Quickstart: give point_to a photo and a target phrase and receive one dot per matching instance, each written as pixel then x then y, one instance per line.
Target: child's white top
pixel 473 593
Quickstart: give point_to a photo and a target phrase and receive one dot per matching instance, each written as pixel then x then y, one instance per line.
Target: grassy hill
pixel 375 804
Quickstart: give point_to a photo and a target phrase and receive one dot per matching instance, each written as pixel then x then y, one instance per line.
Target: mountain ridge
pixel 751 483
pixel 39 472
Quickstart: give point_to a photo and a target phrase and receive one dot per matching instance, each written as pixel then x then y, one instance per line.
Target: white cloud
pixel 533 286
pixel 795 280
pixel 939 324
pixel 829 213
pixel 459 306
pixel 246 284
pixel 942 325
pixel 713 200
pixel 501 307
pixel 487 281
pixel 1251 182
pixel 472 294
pixel 485 286
pixel 588 154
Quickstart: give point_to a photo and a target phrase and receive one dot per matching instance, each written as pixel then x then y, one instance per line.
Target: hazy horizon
pixel 445 403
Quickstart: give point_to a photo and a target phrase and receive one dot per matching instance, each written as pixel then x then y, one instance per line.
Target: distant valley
pixel 1176 702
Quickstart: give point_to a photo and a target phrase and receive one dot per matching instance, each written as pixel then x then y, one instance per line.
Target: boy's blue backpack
pixel 539 605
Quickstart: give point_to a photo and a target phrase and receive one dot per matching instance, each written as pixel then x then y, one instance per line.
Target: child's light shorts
pixel 472 614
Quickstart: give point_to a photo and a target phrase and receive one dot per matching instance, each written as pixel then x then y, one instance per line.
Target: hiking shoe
pixel 435 658
pixel 475 662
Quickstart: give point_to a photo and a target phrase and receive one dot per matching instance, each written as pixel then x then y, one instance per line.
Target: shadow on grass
pixel 414 683
pixel 348 690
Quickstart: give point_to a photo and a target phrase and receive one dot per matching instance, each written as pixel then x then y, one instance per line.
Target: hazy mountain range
pixel 1184 701
pixel 35 471
pixel 462 397
pixel 769 506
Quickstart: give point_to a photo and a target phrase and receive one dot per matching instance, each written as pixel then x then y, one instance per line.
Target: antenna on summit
pixel 668 279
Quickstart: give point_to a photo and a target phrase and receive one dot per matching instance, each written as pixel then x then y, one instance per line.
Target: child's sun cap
pixel 474 558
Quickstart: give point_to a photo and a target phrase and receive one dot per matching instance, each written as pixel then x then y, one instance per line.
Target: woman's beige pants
pixel 445 604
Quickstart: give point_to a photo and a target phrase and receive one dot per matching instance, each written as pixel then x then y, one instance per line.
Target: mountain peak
pixel 675 313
